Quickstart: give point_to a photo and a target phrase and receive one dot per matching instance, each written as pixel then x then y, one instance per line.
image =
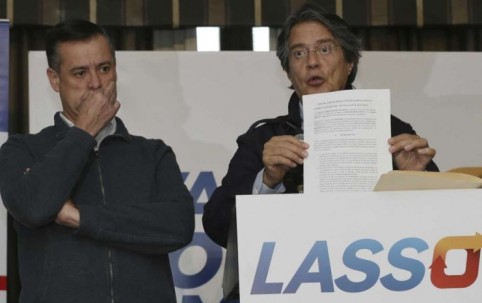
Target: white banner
pixel 205 100
pixel 200 102
pixel 360 247
pixel 4 60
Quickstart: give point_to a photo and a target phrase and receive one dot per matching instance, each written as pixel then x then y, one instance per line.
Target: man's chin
pixel 319 90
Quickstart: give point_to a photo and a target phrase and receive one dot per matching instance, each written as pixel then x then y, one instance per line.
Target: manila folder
pixel 420 180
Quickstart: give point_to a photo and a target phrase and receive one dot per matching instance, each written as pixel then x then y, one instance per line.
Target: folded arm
pixel 161 224
pixel 35 187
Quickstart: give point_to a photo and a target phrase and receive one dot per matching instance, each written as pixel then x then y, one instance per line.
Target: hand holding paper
pixel 410 152
pixel 280 154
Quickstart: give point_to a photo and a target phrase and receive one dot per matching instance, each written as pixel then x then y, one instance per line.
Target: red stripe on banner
pixel 3 283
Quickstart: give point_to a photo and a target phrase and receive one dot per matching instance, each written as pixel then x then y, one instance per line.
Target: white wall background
pixel 210 98
pixel 440 94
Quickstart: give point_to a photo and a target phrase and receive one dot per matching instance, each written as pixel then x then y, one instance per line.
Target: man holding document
pixel 319 54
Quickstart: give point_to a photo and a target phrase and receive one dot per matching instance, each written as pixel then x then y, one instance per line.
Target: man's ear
pixel 288 75
pixel 53 79
pixel 350 68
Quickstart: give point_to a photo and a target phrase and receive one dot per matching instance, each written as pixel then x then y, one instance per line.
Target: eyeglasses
pixel 323 49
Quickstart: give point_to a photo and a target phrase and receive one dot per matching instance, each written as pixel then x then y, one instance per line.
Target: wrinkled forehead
pixel 309 33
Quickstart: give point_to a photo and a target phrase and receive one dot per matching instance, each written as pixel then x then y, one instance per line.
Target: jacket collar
pixel 62 128
pixel 294 115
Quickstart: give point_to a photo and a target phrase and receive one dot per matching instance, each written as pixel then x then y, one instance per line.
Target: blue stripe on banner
pixel 4 46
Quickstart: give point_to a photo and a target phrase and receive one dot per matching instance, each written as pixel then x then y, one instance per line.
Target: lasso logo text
pixel 318 257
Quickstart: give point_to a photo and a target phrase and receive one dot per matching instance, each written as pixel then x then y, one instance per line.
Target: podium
pixel 399 246
pixel 231 268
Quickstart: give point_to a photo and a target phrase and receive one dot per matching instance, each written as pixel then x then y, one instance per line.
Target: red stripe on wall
pixel 3 283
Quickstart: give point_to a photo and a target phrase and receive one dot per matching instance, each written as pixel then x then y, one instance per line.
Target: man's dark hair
pixel 71 31
pixel 349 42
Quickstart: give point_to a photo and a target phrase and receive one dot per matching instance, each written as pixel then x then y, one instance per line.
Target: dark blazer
pixel 247 162
pixel 134 210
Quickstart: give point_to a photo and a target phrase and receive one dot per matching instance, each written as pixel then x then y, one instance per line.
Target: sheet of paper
pixel 348 133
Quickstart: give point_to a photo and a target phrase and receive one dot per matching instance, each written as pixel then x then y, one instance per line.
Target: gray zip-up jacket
pixel 134 210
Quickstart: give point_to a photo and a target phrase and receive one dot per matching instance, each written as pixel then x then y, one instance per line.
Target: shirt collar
pixel 108 130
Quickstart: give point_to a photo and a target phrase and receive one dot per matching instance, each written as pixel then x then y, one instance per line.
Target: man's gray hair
pixel 349 42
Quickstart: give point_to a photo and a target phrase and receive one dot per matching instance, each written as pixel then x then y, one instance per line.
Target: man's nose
pixel 94 80
pixel 312 59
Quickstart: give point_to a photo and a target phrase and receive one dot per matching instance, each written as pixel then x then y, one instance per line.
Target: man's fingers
pixel 406 142
pixel 286 146
pixel 282 155
pixel 281 160
pixel 427 151
pixel 109 92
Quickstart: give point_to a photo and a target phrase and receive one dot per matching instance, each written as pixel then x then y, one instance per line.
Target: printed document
pixel 348 133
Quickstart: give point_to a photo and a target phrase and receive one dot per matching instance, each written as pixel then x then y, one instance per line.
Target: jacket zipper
pixel 109 253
